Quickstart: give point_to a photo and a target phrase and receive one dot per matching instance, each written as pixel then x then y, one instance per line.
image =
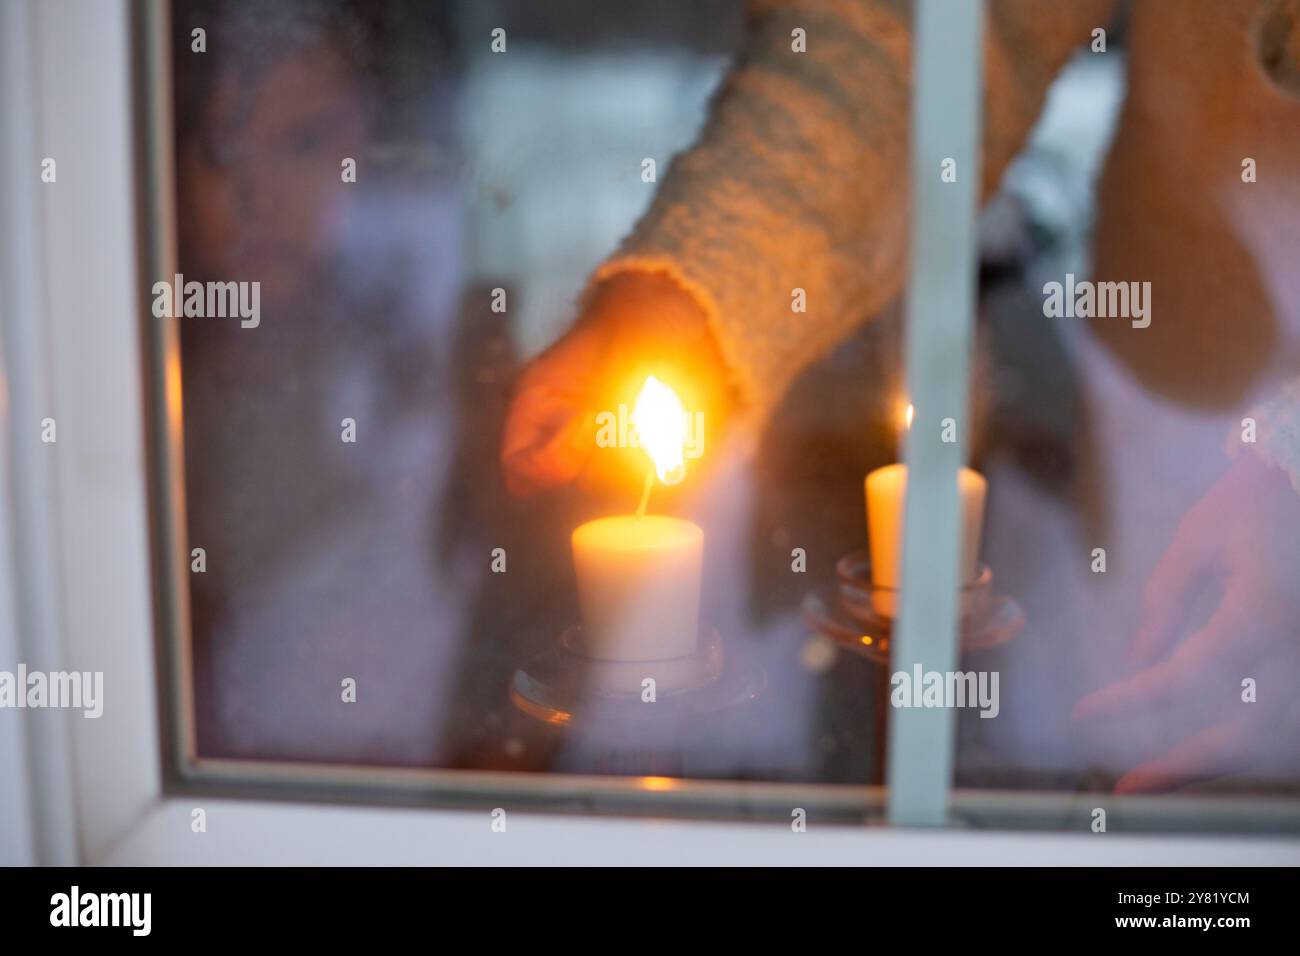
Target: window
pixel 383 214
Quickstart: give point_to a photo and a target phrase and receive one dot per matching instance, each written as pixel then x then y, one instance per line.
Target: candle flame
pixel 909 414
pixel 660 422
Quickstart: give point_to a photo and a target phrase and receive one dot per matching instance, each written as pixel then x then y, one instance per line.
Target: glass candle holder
pixel 859 615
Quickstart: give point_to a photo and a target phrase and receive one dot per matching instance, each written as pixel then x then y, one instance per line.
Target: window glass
pixel 535 358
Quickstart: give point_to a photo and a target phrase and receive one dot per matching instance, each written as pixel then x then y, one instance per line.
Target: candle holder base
pixel 563 686
pixel 858 615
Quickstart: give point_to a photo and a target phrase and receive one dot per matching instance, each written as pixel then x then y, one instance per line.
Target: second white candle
pixel 886 494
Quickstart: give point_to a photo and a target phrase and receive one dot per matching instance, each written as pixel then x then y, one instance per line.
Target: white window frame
pixel 940 317
pixel 77 590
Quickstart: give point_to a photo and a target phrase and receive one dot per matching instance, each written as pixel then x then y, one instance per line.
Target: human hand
pixel 635 324
pixel 1242 539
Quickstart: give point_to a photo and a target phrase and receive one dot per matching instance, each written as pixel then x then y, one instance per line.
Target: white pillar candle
pixel 886 490
pixel 639 586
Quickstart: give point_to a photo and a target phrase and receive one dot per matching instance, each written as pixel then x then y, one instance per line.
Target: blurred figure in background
pixel 323 556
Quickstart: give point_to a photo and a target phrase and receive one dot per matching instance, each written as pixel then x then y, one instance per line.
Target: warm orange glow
pixel 909 414
pixel 658 783
pixel 172 388
pixel 866 639
pixel 660 422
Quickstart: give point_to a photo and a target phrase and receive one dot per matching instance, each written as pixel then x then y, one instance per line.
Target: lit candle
pixel 639 575
pixel 886 491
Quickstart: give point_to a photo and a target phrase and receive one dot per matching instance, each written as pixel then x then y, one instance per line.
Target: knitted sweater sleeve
pixel 799 179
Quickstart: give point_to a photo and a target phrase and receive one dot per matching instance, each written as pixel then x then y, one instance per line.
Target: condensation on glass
pixel 422 203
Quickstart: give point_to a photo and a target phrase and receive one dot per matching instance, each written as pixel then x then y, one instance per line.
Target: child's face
pixel 261 189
